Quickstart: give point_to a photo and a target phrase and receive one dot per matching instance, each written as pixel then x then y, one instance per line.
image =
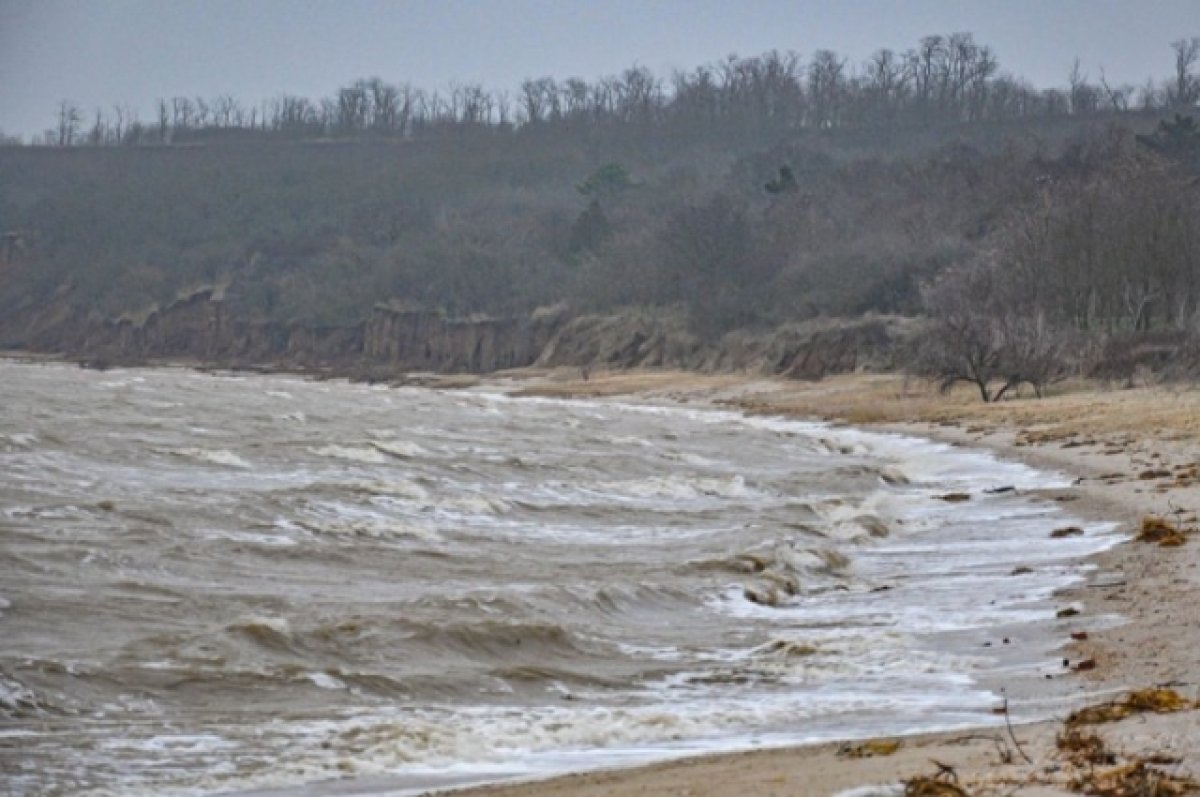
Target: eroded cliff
pixel 201 328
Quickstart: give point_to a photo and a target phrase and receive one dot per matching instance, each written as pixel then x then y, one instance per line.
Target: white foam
pixel 400 488
pixel 325 680
pixel 22 441
pixel 365 455
pixel 401 449
pixel 372 527
pixel 253 538
pixel 279 625
pixel 217 456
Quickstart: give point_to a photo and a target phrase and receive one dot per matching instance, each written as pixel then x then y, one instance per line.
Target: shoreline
pixel 1150 587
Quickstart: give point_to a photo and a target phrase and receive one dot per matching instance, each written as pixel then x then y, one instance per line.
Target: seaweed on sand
pixel 1159 700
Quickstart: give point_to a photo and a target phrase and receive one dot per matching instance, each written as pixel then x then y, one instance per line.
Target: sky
pixel 100 53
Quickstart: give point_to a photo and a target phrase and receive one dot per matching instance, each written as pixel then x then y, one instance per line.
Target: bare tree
pixel 164 121
pixel 182 113
pixel 353 105
pixel 983 329
pixel 225 111
pixel 1186 89
pixel 1118 98
pixel 826 85
pixel 575 98
pixel 69 119
pixel 385 105
pixel 886 83
pixel 97 133
pixel 121 115
pixel 203 112
pixel 1083 96
pixel 534 99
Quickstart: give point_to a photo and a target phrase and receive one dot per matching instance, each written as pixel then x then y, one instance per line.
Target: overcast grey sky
pixel 103 52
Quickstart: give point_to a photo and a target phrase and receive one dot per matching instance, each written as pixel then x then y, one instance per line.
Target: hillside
pixel 743 196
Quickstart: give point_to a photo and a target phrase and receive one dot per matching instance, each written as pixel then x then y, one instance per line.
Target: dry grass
pixel 1072 415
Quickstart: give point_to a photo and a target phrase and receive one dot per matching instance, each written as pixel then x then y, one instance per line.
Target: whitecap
pixel 213 456
pixel 402 449
pixel 371 528
pixel 325 680
pixel 399 488
pixel 19 441
pixel 677 487
pixel 368 456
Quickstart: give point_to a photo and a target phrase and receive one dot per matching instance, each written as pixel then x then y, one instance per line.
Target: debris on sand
pixel 1081 748
pixel 869 748
pixel 1161 531
pixel 1135 779
pixel 933 787
pixel 1158 700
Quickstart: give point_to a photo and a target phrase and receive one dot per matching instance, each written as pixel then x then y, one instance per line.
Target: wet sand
pixel 1131 452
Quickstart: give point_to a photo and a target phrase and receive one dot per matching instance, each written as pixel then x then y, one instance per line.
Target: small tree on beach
pixel 980 330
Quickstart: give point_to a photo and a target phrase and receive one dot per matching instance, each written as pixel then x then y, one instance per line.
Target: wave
pixel 497 640
pixel 213 456
pixel 400 449
pixel 271 632
pixel 541 675
pixel 18 701
pixel 676 492
pixel 18 441
pixel 399 488
pixel 373 528
pixel 681 487
pixel 410 646
pixel 364 454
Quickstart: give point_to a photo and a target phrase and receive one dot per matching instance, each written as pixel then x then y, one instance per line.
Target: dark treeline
pixel 747 194
pixel 943 79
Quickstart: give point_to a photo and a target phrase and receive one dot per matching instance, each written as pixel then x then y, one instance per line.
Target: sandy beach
pixel 1132 453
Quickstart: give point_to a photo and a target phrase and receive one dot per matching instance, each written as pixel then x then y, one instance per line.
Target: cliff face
pixel 201 327
pixel 809 350
pixel 424 341
pixel 393 341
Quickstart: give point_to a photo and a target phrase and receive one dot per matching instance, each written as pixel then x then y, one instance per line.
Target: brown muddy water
pixel 229 583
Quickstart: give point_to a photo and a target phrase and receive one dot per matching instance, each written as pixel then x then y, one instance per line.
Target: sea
pixel 226 583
